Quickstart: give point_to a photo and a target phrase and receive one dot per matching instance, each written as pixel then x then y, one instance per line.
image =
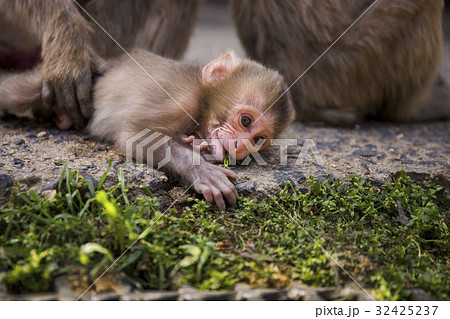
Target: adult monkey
pixel 385 66
pixel 73 49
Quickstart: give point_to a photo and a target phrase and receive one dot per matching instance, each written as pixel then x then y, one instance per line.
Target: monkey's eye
pixel 246 121
pixel 258 138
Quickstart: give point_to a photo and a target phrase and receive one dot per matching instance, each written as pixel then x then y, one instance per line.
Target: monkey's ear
pixel 220 67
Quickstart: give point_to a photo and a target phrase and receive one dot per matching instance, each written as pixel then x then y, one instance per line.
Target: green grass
pixel 82 230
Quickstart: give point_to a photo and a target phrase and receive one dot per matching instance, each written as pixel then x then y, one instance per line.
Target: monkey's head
pixel 243 106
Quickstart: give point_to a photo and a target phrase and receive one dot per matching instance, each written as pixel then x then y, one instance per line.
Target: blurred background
pixel 215 32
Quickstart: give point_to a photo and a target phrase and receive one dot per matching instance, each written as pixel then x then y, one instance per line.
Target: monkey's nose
pixel 237 149
pixel 241 147
pixel 234 144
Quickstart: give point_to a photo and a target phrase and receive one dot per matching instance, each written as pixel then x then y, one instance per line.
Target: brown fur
pixel 73 47
pixel 383 67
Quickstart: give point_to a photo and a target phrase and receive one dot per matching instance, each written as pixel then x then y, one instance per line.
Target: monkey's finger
pixel 230 195
pixel 235 191
pixel 83 88
pixel 203 146
pixel 187 139
pixel 229 190
pixel 207 193
pixel 65 99
pixel 227 172
pixel 48 95
pixel 218 198
pixel 63 122
pixel 224 181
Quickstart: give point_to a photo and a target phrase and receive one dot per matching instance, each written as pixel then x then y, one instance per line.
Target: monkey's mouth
pixel 215 149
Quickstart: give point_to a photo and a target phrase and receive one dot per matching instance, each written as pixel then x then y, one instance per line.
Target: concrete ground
pixel 33 153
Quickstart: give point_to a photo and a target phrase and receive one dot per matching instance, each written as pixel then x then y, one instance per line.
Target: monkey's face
pixel 245 130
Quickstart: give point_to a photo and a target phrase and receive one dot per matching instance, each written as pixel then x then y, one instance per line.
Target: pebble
pixel 54 185
pixel 136 177
pixel 405 160
pixel 365 153
pixel 58 162
pixel 246 188
pixel 41 134
pixel 92 179
pixel 321 179
pixel 367 160
pixel 5 183
pixel 298 176
pixel 420 295
pixel 100 149
pixel 154 184
pixel 17 161
pixel 281 178
pixel 88 166
pixel 432 155
pixel 115 163
pixel 303 190
pixel 19 141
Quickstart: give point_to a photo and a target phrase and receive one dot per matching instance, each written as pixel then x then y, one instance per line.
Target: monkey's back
pixel 141 91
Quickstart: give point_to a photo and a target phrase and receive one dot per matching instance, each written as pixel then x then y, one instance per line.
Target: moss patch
pixel 390 239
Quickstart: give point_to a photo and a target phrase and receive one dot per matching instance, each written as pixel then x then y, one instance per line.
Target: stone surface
pixel 5 183
pixel 423 150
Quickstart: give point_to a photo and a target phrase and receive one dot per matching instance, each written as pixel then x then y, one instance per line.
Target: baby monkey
pixel 237 105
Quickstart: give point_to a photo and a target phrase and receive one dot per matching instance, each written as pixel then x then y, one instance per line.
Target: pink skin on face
pixel 233 137
pixel 239 140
